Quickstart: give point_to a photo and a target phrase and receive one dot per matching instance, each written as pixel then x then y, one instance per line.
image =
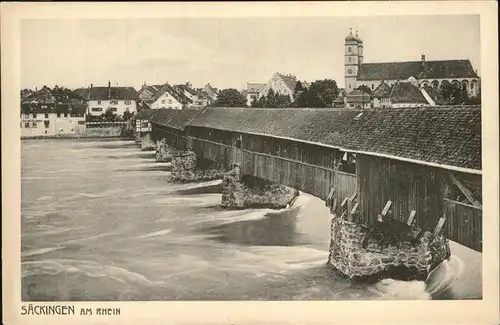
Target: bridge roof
pixel 445 137
pixel 144 114
pixel 175 118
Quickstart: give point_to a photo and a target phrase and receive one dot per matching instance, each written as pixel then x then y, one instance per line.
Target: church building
pixel 422 73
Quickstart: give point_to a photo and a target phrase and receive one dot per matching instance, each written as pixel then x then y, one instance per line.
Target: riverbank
pixel 126 233
pixel 105 133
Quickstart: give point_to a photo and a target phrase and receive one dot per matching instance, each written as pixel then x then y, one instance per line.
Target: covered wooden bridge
pixel 419 166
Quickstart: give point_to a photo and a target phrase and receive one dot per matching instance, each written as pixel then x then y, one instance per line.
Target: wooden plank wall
pixel 345 185
pixel 314 180
pixel 408 186
pixel 464 224
pixel 173 137
pixel 308 178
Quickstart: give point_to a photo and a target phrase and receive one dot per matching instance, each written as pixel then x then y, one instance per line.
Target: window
pixel 472 85
pixel 373 86
pixel 127 102
pixel 114 102
pixel 46 115
pixel 81 122
pixel 349 49
pixel 163 101
pixel 58 114
pixel 113 109
pixel 34 124
pixel 26 116
pixel 26 125
pixel 98 102
pixel 349 86
pixel 34 115
pixel 21 125
pixel 47 123
pixel 96 109
pixel 349 59
pixel 65 114
pixel 170 101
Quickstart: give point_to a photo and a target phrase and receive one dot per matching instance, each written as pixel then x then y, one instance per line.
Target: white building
pixel 117 100
pixel 40 120
pixel 253 91
pixel 281 84
pixel 168 97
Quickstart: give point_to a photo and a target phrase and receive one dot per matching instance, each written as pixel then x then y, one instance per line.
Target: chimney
pixel 423 58
pixel 109 89
pixel 91 86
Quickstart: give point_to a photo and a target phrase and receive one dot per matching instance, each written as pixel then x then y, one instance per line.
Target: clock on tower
pixel 349 71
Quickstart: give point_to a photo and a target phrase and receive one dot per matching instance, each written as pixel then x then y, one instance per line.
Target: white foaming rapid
pixel 438 281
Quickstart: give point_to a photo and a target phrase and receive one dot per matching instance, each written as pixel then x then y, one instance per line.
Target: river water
pixel 100 221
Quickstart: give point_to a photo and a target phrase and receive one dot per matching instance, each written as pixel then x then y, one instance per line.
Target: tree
pixel 321 93
pixel 297 90
pixel 283 101
pixel 475 100
pixel 127 115
pixel 230 98
pixel 365 89
pixel 451 93
pixel 109 115
pixel 464 95
pixel 271 99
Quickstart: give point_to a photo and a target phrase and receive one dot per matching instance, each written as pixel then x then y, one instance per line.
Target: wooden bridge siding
pixel 308 153
pixel 408 186
pixel 308 179
pixel 464 224
pixel 345 185
pixel 217 153
pixel 173 137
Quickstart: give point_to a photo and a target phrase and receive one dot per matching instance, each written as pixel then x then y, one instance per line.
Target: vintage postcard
pixel 250 163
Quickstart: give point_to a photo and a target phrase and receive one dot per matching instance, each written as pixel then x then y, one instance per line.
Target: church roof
pixel 418 69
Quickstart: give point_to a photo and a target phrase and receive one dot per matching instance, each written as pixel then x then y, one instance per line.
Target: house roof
pixel 290 81
pixel 417 69
pixel 188 89
pixel 446 136
pixel 358 96
pixel 147 91
pixel 105 93
pixel 175 118
pixel 406 92
pixel 179 96
pixel 144 114
pixel 254 87
pixel 382 90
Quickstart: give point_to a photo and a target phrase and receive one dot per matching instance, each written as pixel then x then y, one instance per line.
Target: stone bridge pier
pixel 384 249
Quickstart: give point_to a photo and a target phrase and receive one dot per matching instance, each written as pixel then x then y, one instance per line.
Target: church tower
pixel 353 58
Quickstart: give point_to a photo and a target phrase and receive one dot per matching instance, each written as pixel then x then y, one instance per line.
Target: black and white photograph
pixel 293 158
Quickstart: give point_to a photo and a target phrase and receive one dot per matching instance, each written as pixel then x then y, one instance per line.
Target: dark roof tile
pixel 446 135
pixel 417 69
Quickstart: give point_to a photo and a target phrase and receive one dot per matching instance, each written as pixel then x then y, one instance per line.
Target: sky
pixel 229 52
